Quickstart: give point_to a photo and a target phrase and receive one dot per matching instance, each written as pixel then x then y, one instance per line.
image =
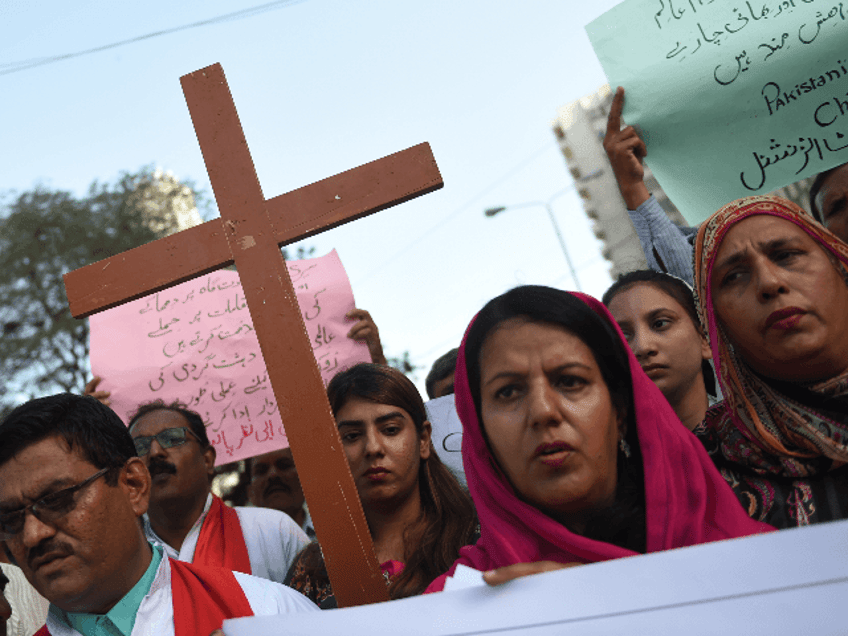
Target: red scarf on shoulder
pixel 221 541
pixel 203 598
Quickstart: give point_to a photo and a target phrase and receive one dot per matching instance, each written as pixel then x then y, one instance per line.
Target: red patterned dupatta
pixel 773 441
pixel 221 541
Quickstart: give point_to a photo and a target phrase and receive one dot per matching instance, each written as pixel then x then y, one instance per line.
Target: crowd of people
pixel 701 399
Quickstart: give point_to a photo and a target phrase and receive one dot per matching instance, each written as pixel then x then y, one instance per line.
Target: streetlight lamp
pixel 490 212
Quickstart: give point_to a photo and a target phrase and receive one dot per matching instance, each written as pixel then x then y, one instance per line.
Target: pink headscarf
pixel 687 500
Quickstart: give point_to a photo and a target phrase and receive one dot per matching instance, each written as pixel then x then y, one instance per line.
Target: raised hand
pixel 626 150
pixel 91 390
pixel 365 330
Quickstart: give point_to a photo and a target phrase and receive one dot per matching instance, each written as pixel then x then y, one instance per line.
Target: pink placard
pixel 195 343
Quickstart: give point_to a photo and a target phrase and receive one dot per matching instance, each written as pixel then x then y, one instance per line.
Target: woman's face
pixel 383 449
pixel 832 201
pixel 549 418
pixel 668 346
pixel 781 301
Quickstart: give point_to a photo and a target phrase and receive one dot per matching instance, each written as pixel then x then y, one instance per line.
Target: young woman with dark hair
pixel 572 454
pixel 829 200
pixel 656 313
pixel 418 514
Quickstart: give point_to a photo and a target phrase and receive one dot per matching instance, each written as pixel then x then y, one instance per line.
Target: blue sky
pixel 322 86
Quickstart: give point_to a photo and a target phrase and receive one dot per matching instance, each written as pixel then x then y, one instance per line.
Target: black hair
pixel 678 291
pixel 195 422
pixel 623 523
pixel 87 426
pixel 442 368
pixel 818 182
pixel 380 384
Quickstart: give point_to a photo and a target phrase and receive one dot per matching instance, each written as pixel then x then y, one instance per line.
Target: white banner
pixel 788 582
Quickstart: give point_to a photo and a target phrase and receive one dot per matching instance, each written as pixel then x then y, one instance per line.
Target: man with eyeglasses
pixel 72 491
pixel 186 519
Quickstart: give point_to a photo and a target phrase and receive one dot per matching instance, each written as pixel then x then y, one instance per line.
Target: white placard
pixel 788 582
pixel 447 434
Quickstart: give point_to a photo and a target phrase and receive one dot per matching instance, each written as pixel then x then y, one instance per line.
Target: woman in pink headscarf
pixel 571 452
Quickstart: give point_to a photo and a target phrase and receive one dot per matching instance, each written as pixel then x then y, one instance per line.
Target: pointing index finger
pixel 614 121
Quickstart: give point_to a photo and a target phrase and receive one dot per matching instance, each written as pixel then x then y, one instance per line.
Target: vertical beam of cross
pixel 327 482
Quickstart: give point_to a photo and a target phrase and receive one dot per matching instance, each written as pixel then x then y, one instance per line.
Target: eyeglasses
pixel 48 509
pixel 168 438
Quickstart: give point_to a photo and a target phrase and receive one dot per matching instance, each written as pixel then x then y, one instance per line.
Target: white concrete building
pixel 580 128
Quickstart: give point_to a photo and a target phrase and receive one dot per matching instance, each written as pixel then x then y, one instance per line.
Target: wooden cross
pixel 249 234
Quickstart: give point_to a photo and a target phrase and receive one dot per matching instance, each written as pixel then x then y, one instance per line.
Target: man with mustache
pixel 72 491
pixel 274 484
pixel 186 519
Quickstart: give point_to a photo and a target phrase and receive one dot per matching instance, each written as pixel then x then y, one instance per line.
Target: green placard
pixel 731 98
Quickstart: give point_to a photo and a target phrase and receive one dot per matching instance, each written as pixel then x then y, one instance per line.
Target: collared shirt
pixel 662 239
pixel 155 615
pixel 272 538
pixel 307 525
pixel 119 620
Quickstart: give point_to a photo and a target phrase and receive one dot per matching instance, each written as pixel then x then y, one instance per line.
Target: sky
pixel 322 86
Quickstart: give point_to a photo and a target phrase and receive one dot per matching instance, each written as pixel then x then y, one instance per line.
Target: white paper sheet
pixel 464 577
pixel 447 434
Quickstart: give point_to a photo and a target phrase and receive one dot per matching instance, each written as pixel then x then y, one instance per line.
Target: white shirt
pixel 155 615
pixel 307 526
pixel 29 608
pixel 273 540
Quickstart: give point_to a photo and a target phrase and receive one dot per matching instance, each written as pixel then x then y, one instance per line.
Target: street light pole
pixel 547 205
pixel 562 245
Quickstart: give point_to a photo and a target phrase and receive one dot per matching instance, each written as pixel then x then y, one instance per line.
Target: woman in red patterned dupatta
pixel 772 293
pixel 572 453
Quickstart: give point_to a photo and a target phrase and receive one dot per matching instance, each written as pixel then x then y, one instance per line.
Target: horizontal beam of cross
pixel 296 215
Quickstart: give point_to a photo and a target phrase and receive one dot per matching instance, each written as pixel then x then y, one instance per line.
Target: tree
pixel 45 233
pixel 404 364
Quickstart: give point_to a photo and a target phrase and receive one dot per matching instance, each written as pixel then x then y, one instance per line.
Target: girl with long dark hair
pixel 418 514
